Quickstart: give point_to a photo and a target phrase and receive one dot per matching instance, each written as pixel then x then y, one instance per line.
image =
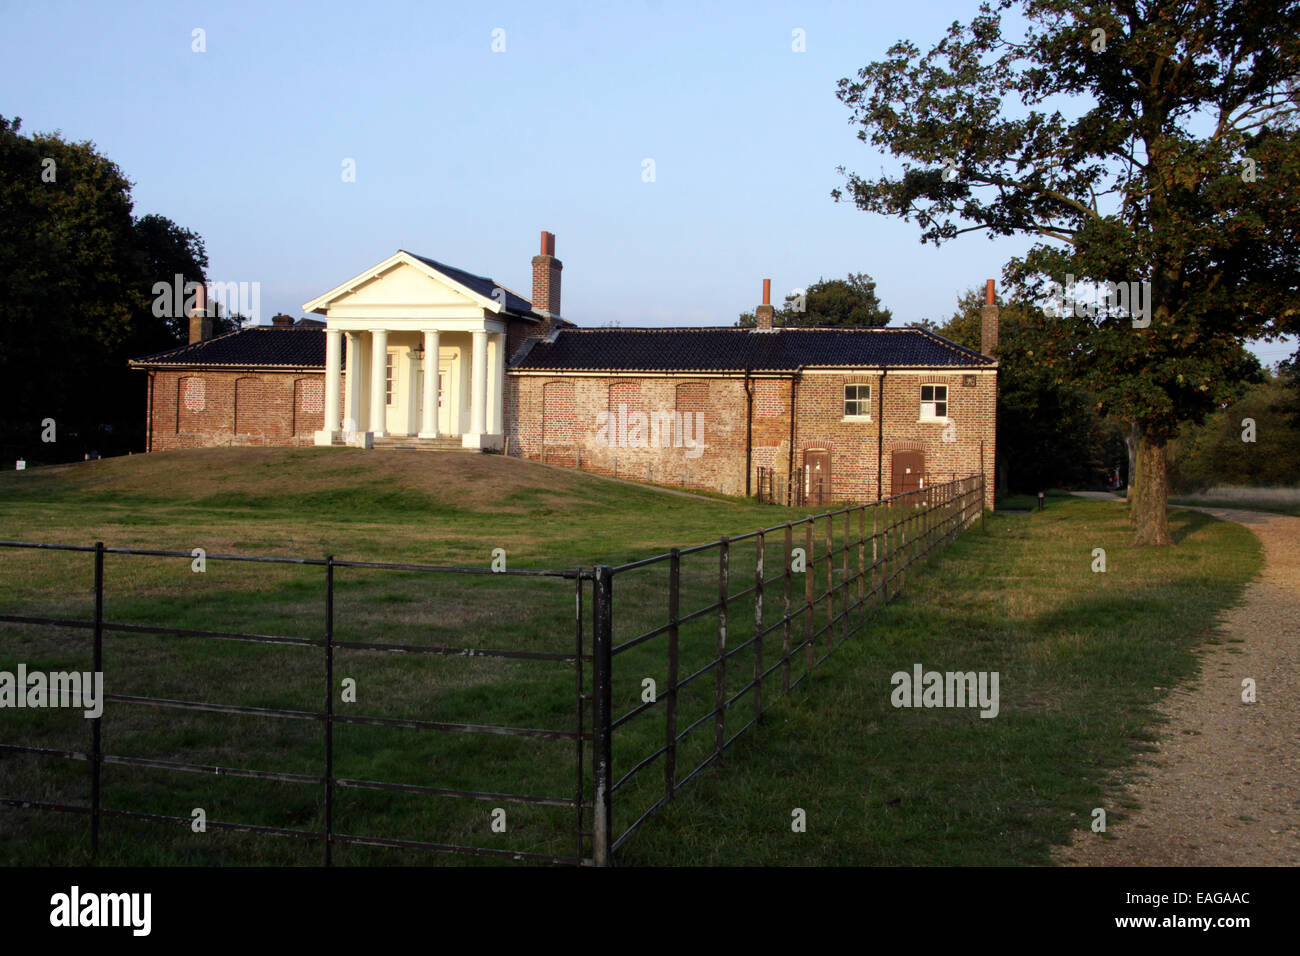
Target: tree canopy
pixel 1150 144
pixel 851 301
pixel 77 271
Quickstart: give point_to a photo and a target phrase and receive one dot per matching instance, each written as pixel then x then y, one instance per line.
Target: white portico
pixel 415 348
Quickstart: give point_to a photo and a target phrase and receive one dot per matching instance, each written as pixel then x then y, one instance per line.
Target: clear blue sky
pixel 465 155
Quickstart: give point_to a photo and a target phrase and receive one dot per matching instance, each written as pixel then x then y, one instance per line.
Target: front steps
pixel 411 443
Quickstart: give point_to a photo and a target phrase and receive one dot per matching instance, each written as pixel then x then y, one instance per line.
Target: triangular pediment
pixel 400 281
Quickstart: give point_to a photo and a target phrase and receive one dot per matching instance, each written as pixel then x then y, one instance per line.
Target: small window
pixel 934 401
pixel 388 381
pixel 857 401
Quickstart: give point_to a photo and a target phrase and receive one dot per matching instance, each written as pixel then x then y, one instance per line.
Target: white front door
pixel 447 398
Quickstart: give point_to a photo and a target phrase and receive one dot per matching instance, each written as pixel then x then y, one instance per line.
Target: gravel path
pixel 1223 786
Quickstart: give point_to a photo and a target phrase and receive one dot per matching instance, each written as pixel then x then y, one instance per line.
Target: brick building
pixel 258 386
pixel 799 414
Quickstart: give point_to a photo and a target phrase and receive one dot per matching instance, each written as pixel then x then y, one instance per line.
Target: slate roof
pixel 480 284
pixel 738 349
pixel 260 346
pixel 620 350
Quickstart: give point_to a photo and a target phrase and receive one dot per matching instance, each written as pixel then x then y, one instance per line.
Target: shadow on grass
pixel 1185 523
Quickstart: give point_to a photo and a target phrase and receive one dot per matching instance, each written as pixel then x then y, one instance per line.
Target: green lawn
pixel 1083 657
pixel 1079 655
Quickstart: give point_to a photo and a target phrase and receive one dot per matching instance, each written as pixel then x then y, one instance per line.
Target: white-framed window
pixel 857 402
pixel 388 380
pixel 934 403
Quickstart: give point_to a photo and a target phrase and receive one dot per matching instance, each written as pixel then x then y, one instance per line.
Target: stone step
pixel 402 443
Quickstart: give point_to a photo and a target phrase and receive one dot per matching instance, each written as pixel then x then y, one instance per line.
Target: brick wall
pixel 205 409
pixel 854 446
pixel 607 425
pixel 518 331
pixel 681 431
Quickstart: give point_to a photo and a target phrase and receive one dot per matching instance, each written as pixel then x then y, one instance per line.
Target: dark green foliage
pixel 1215 453
pixel 831 302
pixel 76 279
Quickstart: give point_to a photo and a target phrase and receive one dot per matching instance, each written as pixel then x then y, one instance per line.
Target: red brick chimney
pixel 200 321
pixel 546 278
pixel 989 320
pixel 763 314
pixel 282 320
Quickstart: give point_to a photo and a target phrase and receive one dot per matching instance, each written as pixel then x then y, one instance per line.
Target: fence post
pixel 830 584
pixel 602 642
pixel 577 668
pixel 862 564
pixel 875 554
pixel 720 687
pixel 785 641
pixel 953 496
pixel 903 545
pixel 329 710
pixel 950 511
pixel 808 582
pixel 758 625
pixel 845 590
pixel 96 742
pixel 674 609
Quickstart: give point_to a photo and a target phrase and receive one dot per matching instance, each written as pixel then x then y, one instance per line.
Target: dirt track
pixel 1223 787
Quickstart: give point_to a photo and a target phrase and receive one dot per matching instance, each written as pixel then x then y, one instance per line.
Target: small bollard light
pixel 1040 501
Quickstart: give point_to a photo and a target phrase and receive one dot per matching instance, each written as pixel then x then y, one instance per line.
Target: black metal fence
pixel 808 490
pixel 97 756
pixel 682 617
pixel 715 612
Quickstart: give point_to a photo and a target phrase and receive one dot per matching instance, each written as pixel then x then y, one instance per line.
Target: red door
pixel 908 471
pixel 816 476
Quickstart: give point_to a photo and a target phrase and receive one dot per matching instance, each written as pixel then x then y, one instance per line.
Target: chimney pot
pixel 989 315
pixel 764 313
pixel 200 321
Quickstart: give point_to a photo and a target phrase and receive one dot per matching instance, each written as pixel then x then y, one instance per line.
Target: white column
pixel 354 382
pixel 496 381
pixel 478 390
pixel 333 370
pixel 378 382
pixel 429 417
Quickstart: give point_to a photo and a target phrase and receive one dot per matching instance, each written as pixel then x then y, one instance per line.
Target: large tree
pixel 1150 143
pixel 77 272
pixel 831 302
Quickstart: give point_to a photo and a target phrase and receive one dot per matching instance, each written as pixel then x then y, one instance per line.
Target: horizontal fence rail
pixel 328 717
pixel 752 615
pixel 688 649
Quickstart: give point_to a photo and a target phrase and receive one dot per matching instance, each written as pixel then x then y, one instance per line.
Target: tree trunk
pixel 1131 443
pixel 1151 506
